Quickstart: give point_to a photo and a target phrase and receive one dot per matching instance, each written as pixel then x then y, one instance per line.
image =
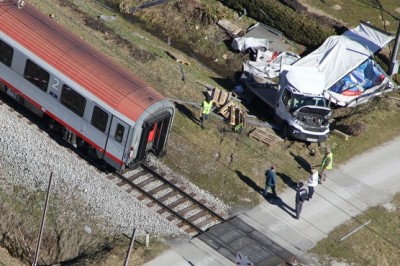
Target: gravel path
pixel 29 156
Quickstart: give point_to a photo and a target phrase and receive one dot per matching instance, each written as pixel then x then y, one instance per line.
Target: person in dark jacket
pixel 301 196
pixel 270 181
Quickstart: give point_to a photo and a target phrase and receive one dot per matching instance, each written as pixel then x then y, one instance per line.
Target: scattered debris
pixel 179 58
pixel 393 98
pixel 226 109
pixel 220 97
pixel 244 13
pixel 340 134
pixel 265 135
pixel 108 18
pixel 229 27
pixel 277 41
pixel 244 44
pixel 182 73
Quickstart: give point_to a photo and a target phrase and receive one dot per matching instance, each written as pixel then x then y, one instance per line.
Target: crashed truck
pixel 352 76
pixel 340 71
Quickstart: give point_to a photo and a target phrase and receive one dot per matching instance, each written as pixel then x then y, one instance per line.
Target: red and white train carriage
pixel 92 101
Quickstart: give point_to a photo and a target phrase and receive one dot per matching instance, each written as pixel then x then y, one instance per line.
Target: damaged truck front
pixel 299 107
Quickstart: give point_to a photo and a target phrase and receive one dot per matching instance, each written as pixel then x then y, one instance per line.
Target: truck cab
pixel 301 116
pixel 301 109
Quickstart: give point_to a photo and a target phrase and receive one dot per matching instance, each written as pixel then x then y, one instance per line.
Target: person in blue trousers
pixel 270 181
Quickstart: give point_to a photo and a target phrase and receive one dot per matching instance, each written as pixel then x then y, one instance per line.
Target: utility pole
pixel 34 263
pixel 128 255
pixel 394 63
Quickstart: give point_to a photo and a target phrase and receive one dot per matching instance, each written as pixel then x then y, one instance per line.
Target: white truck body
pixel 352 77
pixel 300 109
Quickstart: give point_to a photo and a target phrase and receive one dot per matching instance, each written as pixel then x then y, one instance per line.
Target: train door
pixel 154 136
pixel 116 143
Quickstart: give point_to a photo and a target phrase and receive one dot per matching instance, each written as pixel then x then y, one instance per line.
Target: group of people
pixel 313 180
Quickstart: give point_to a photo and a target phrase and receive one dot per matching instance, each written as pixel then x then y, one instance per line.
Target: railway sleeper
pixel 177 202
pixel 165 197
pixel 207 221
pixel 197 216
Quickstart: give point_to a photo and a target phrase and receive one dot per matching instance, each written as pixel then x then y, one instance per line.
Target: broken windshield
pixel 302 100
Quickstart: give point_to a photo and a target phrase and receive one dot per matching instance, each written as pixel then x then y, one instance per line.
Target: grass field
pixel 383 14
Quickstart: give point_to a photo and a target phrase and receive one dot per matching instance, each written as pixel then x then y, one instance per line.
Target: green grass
pixel 352 11
pixel 377 243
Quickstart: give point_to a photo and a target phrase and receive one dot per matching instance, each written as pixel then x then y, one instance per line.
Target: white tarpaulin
pixel 243 43
pixel 306 80
pixel 266 69
pixel 339 55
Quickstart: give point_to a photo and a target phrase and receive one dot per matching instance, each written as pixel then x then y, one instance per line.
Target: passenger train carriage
pixel 84 96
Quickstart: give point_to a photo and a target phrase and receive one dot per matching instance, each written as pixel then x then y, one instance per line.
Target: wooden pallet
pixel 225 110
pixel 236 115
pixel 265 136
pixel 220 97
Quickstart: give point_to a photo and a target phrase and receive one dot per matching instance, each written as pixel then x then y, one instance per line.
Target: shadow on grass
pixel 287 180
pixel 187 112
pixel 303 163
pixel 248 181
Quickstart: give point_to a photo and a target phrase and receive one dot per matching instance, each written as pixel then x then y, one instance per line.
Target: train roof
pixel 77 60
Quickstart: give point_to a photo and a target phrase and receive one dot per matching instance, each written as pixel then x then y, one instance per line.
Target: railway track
pixel 162 195
pixel 168 199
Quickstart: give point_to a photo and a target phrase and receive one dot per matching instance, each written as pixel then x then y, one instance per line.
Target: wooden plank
pixel 229 26
pixel 341 134
pixel 216 93
pixel 265 136
pixel 179 58
pixel 224 111
pixel 236 116
pixel 220 97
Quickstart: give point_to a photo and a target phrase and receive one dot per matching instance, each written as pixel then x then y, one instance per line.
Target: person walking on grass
pixel 301 196
pixel 205 109
pixel 326 165
pixel 312 182
pixel 270 181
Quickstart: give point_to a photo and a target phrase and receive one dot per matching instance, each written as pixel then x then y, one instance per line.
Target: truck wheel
pixel 285 131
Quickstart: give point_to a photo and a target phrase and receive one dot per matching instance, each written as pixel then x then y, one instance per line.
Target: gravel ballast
pixel 30 155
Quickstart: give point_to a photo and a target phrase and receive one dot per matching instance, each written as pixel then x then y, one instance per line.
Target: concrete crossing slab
pixel 368 180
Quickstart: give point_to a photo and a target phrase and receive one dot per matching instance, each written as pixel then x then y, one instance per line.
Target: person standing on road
pixel 301 196
pixel 205 109
pixel 312 182
pixel 270 181
pixel 326 165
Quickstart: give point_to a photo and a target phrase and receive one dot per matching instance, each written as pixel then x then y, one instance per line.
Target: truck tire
pixel 285 130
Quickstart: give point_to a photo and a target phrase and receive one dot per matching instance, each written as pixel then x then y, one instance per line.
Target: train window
pixel 99 119
pixel 73 100
pixel 119 132
pixel 6 53
pixel 36 75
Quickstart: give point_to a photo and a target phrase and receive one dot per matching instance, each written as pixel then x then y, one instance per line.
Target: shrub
pixel 294 26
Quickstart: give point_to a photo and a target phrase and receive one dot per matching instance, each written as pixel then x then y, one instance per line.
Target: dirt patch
pixel 109 34
pixel 317 15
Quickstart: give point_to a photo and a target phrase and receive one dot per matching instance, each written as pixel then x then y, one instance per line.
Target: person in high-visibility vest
pixel 205 110
pixel 326 165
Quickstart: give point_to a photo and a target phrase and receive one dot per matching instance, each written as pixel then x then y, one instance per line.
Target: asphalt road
pixel 369 180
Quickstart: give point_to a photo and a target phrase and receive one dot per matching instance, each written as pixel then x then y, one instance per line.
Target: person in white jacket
pixel 312 182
